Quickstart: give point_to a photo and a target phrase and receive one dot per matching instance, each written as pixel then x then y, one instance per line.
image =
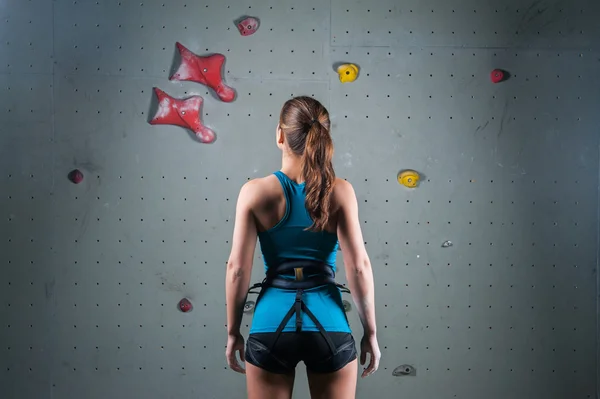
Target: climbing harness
pixel 307 274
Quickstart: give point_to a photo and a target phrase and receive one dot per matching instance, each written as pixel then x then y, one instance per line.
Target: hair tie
pixel 310 125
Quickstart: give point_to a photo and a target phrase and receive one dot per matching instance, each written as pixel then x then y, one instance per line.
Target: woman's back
pixel 284 235
pixel 282 221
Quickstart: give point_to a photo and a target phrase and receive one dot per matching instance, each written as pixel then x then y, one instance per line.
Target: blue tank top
pixel 288 240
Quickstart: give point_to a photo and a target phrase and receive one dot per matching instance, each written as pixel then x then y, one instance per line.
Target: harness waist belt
pixel 308 274
pixel 311 282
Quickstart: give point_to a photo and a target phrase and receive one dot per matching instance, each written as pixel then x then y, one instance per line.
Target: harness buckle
pixel 299 272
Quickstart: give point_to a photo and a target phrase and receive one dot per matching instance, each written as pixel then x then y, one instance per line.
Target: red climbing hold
pixel 75 176
pixel 247 25
pixel 497 75
pixel 205 70
pixel 184 113
pixel 185 305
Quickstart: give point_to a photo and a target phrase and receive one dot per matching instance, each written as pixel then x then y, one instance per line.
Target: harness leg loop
pixel 298 308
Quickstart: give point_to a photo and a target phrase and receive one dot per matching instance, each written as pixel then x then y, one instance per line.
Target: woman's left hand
pixel 235 343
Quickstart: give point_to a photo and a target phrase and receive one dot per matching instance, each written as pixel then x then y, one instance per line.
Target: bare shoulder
pixel 343 192
pixel 343 188
pixel 257 190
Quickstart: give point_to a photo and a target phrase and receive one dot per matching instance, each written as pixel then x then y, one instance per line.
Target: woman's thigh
pixel 262 384
pixel 340 384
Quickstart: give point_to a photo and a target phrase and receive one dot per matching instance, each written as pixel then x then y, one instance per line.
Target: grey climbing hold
pixel 405 369
pixel 347 306
pixel 447 244
pixel 249 307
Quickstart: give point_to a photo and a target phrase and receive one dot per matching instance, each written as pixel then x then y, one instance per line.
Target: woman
pixel 298 214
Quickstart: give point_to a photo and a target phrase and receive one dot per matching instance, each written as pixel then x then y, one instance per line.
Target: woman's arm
pixel 356 260
pixel 358 273
pixel 239 265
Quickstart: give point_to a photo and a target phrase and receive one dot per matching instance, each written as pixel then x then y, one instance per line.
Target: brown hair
pixel 305 123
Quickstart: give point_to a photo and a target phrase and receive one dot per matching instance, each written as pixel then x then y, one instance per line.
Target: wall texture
pixel 91 274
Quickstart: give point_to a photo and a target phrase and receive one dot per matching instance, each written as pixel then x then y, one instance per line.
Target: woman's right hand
pixel 369 345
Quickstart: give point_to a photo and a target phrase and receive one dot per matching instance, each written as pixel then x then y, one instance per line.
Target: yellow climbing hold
pixel 347 72
pixel 409 178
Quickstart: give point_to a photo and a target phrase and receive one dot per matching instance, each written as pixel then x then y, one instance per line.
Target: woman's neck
pixel 291 165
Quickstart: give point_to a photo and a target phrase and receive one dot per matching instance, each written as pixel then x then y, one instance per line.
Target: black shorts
pixel 292 347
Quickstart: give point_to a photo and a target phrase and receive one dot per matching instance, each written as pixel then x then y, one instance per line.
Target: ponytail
pixel 305 122
pixel 318 173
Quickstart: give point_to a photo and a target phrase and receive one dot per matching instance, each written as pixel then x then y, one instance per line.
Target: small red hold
pixel 185 305
pixel 247 25
pixel 205 70
pixel 184 113
pixel 497 75
pixel 75 176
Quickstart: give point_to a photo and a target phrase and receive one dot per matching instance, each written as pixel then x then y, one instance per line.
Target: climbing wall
pixel 486 273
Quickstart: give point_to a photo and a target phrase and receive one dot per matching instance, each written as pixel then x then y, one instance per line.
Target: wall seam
pixel 598 288
pixel 52 301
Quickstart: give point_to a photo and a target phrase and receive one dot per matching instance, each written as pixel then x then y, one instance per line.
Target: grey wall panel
pixel 92 273
pixel 512 23
pixel 26 285
pixel 26 33
pixel 498 185
pixel 127 38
